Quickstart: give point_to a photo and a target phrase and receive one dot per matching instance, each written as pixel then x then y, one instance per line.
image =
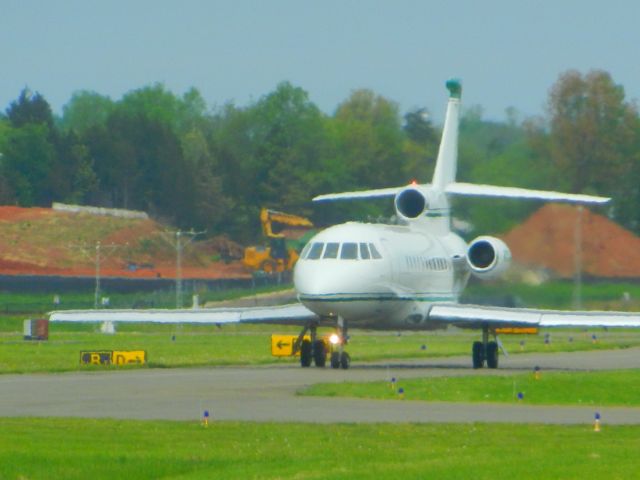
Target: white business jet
pixel 395 277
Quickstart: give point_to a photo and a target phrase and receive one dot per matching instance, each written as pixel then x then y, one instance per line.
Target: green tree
pixel 30 108
pixel 291 146
pixel 212 208
pixel 272 154
pixel 421 145
pixel 371 140
pixel 592 130
pixel 85 110
pixel 30 154
pixel 157 103
pixel 140 165
pixel 27 163
pixel 72 180
pixel 7 194
pixel 232 145
pixel 594 138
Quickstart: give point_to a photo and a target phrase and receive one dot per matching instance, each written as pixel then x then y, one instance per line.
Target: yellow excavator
pixel 276 257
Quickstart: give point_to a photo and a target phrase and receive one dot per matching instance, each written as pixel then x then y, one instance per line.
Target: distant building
pixel 548 240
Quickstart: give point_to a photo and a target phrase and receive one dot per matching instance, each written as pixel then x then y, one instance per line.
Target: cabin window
pixel 315 252
pixel 374 252
pixel 349 251
pixel 331 251
pixel 364 251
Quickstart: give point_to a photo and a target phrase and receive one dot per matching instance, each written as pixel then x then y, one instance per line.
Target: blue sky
pixel 508 53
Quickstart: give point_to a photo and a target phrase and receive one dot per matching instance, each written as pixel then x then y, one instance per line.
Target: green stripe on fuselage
pixel 376 298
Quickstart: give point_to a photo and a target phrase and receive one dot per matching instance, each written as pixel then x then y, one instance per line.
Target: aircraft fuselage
pixel 380 276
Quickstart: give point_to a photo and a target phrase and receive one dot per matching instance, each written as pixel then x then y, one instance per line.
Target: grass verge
pixel 77 449
pixel 195 345
pixel 609 388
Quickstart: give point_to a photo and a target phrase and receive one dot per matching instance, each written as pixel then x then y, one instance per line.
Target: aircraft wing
pixel 474 316
pixel 294 314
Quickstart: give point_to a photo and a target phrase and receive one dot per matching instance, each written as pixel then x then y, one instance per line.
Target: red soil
pixel 40 241
pixel 548 239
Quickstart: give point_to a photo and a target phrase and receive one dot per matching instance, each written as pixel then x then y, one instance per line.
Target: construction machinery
pixel 277 256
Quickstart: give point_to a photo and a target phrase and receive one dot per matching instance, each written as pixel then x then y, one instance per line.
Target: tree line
pixel 192 166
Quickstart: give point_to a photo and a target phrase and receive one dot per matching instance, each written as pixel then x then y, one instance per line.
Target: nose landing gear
pixel 340 358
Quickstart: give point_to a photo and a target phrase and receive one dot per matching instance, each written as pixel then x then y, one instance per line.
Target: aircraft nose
pixel 311 279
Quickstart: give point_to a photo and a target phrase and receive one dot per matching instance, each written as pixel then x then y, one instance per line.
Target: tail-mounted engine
pixel 488 257
pixel 411 204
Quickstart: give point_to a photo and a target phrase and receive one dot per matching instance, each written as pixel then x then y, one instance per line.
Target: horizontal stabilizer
pixel 513 192
pixel 381 192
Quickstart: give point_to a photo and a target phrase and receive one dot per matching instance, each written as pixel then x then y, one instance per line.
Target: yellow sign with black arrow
pixel 282 345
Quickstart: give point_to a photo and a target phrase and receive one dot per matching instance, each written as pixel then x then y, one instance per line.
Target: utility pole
pixel 179 245
pixel 97 258
pixel 178 269
pixel 96 294
pixel 577 265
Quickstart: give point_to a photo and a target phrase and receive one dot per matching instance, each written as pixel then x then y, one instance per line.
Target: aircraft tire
pixel 478 354
pixel 492 355
pixel 335 359
pixel 345 360
pixel 305 353
pixel 319 353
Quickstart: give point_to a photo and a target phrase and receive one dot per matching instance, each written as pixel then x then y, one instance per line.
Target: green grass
pixel 196 345
pixel 611 388
pixel 558 294
pixel 553 294
pixel 106 449
pixel 40 303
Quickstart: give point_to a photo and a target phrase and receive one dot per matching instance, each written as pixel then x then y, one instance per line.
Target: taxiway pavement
pixel 269 393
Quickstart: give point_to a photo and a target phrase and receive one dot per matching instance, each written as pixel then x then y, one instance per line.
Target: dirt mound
pixel 41 241
pixel 548 239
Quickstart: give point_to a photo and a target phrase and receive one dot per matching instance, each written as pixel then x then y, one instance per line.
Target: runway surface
pixel 269 393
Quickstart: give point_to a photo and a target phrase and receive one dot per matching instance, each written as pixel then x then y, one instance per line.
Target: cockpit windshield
pixel 315 252
pixel 331 251
pixel 349 251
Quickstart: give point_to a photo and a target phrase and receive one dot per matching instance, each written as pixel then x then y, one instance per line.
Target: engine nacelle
pixel 411 204
pixel 488 257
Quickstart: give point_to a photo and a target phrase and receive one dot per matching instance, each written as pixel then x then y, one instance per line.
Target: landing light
pixel 334 339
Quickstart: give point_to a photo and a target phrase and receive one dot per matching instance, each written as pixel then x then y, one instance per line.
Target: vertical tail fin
pixel 446 164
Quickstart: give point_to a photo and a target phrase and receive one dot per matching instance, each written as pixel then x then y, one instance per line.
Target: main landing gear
pixel 485 351
pixel 314 350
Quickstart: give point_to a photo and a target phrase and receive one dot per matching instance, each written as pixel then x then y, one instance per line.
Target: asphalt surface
pixel 269 393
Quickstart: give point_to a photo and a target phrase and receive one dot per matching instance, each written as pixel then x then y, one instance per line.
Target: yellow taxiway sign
pixel 282 345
